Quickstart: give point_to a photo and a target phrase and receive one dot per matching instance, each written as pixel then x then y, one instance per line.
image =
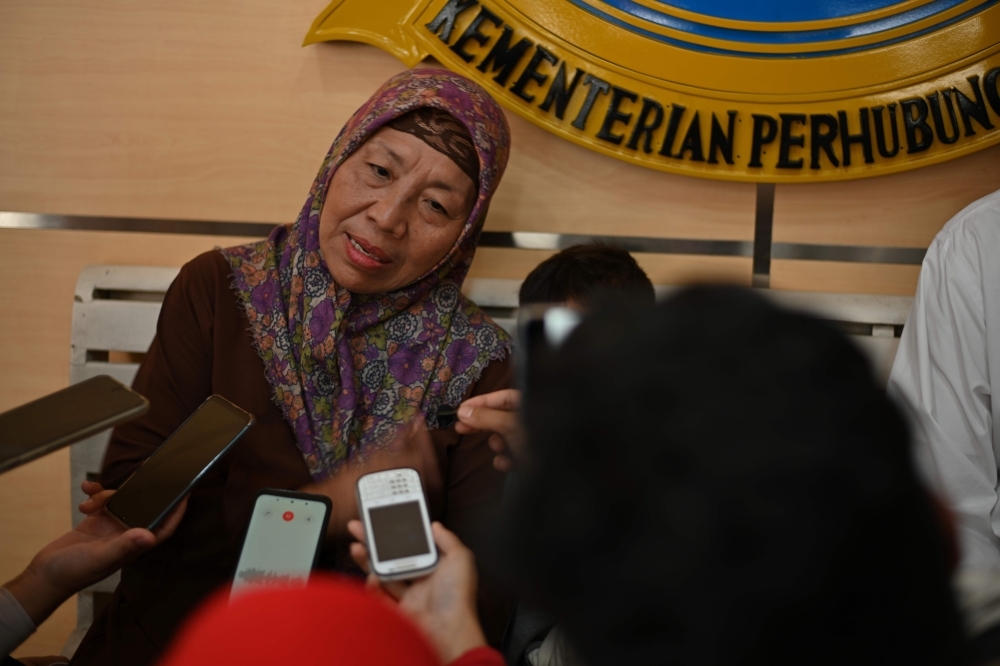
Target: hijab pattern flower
pixel 348 369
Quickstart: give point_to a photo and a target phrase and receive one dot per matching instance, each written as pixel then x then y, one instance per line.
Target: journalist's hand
pixel 95 549
pixel 443 603
pixel 496 412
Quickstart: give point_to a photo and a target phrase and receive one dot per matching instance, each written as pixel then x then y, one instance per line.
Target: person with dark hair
pixel 580 274
pixel 579 277
pixel 720 481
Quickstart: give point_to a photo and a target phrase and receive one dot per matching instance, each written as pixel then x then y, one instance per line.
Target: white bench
pixel 116 308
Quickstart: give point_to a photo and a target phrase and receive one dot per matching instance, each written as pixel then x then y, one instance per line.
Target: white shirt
pixel 15 625
pixel 945 370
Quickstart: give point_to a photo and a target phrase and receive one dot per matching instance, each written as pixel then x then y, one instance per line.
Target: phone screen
pixel 180 461
pixel 32 430
pixel 398 531
pixel 281 543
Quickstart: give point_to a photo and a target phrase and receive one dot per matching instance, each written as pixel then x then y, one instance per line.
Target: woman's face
pixel 394 208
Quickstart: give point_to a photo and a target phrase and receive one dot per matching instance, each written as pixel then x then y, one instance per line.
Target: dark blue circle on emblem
pixel 780 11
pixel 649 18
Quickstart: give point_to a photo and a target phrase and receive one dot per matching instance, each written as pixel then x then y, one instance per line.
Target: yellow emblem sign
pixel 777 91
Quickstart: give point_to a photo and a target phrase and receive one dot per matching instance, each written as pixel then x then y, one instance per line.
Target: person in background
pixel 333 332
pixel 578 277
pixel 720 481
pixel 91 552
pixel 946 375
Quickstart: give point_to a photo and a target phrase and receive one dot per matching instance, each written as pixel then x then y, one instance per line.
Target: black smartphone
pixel 176 467
pixel 64 417
pixel 283 540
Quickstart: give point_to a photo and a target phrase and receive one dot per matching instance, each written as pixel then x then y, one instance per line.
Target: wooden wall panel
pixel 900 210
pixel 843 277
pixel 664 269
pixel 558 186
pixel 212 110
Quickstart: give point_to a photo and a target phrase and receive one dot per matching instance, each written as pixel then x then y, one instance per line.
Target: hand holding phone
pixel 173 470
pixel 283 540
pixel 497 413
pixel 443 603
pixel 397 524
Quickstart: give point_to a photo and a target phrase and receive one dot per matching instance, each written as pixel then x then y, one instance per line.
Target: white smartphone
pixel 397 524
pixel 283 540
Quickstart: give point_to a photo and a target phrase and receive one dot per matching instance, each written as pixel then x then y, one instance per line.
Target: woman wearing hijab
pixel 335 333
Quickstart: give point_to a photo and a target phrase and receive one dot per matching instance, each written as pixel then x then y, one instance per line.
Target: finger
pixel 507 400
pixel 360 556
pixel 357 530
pixel 446 541
pixel 373 583
pixel 91 487
pixel 169 525
pixel 497 443
pixel 463 428
pixel 96 502
pixel 389 590
pixel 494 420
pixel 502 463
pixel 141 538
pixel 112 554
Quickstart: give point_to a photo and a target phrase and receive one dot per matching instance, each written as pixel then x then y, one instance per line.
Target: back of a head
pixel 721 481
pixel 583 273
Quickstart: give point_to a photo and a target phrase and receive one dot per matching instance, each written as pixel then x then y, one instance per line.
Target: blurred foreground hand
pixel 496 412
pixel 443 604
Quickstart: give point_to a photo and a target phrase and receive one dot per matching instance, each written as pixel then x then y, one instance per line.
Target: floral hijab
pixel 348 369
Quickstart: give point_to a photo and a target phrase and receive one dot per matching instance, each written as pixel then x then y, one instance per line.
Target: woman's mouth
pixel 364 254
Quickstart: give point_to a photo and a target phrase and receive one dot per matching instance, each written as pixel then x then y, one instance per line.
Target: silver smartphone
pixel 282 542
pixel 397 524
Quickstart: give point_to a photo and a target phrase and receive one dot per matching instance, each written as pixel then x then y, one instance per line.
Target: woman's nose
pixel 390 212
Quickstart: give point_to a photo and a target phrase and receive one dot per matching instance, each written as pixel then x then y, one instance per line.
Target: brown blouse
pixel 203 346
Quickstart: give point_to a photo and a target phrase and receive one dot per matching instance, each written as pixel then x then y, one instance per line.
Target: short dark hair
pixel 717 480
pixel 582 273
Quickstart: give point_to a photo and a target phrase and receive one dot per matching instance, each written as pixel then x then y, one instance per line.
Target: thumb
pixel 128 544
pixel 446 540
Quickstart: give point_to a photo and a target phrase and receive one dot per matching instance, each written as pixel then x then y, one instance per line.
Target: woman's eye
pixel 436 207
pixel 380 171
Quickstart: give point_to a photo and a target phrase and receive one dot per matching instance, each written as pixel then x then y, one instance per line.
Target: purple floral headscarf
pixel 348 369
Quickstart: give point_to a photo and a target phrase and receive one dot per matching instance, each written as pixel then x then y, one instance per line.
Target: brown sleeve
pixel 176 375
pixel 473 494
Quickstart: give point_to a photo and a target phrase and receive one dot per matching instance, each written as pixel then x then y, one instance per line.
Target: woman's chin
pixel 362 282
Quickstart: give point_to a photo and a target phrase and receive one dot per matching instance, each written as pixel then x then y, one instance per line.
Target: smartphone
pixel 61 418
pixel 283 540
pixel 172 471
pixel 397 524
